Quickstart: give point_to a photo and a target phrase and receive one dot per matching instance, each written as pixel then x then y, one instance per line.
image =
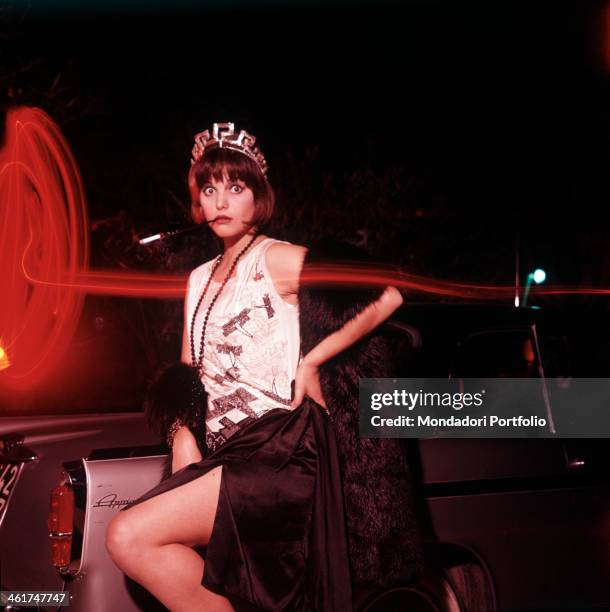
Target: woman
pixel 267 494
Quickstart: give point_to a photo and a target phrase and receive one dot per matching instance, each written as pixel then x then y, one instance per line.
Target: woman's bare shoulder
pixel 280 250
pixel 285 257
pixel 284 262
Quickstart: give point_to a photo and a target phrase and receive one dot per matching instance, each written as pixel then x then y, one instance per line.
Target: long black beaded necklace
pixel 195 415
pixel 197 361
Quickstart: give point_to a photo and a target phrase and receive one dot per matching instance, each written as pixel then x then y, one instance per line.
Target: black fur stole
pixel 384 541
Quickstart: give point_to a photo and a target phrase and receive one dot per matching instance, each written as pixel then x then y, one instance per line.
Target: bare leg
pixel 184 449
pixel 151 543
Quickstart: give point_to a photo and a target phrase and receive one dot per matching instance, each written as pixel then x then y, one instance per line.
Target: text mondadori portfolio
pixel 453 421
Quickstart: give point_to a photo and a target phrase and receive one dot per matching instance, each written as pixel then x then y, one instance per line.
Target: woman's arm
pixel 284 262
pixel 184 446
pixel 363 323
pixel 307 381
pixel 185 355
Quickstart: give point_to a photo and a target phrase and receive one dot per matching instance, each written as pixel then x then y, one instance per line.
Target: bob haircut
pixel 225 163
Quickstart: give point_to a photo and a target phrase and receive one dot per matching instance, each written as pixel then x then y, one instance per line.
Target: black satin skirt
pixel 279 537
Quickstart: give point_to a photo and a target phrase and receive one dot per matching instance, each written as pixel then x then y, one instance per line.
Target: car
pixel 33 450
pixel 507 524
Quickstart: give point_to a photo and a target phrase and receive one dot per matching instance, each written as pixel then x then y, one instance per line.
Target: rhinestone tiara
pixel 224 137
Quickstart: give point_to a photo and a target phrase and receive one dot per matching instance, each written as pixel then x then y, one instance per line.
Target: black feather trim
pixel 177 393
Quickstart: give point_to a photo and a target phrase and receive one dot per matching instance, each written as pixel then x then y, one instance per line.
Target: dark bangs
pixel 220 163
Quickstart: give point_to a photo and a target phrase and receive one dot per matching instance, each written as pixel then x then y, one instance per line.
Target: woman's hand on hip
pixel 307 382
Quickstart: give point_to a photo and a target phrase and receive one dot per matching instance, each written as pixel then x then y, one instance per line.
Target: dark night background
pixel 430 132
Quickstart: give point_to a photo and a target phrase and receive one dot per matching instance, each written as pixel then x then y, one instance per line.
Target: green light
pixel 539 276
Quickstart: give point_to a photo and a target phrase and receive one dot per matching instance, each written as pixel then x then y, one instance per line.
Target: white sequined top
pixel 252 345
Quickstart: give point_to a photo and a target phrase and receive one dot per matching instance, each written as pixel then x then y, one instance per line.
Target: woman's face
pixel 227 206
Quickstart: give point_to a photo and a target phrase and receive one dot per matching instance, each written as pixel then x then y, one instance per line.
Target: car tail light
pixel 60 522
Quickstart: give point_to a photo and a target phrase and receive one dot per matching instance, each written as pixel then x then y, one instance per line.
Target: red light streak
pixel 382 276
pixel 42 203
pixel 173 286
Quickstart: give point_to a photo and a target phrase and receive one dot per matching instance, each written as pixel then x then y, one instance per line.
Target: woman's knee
pixel 122 540
pixel 183 515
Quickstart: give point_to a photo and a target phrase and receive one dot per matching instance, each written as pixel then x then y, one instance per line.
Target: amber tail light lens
pixel 60 521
